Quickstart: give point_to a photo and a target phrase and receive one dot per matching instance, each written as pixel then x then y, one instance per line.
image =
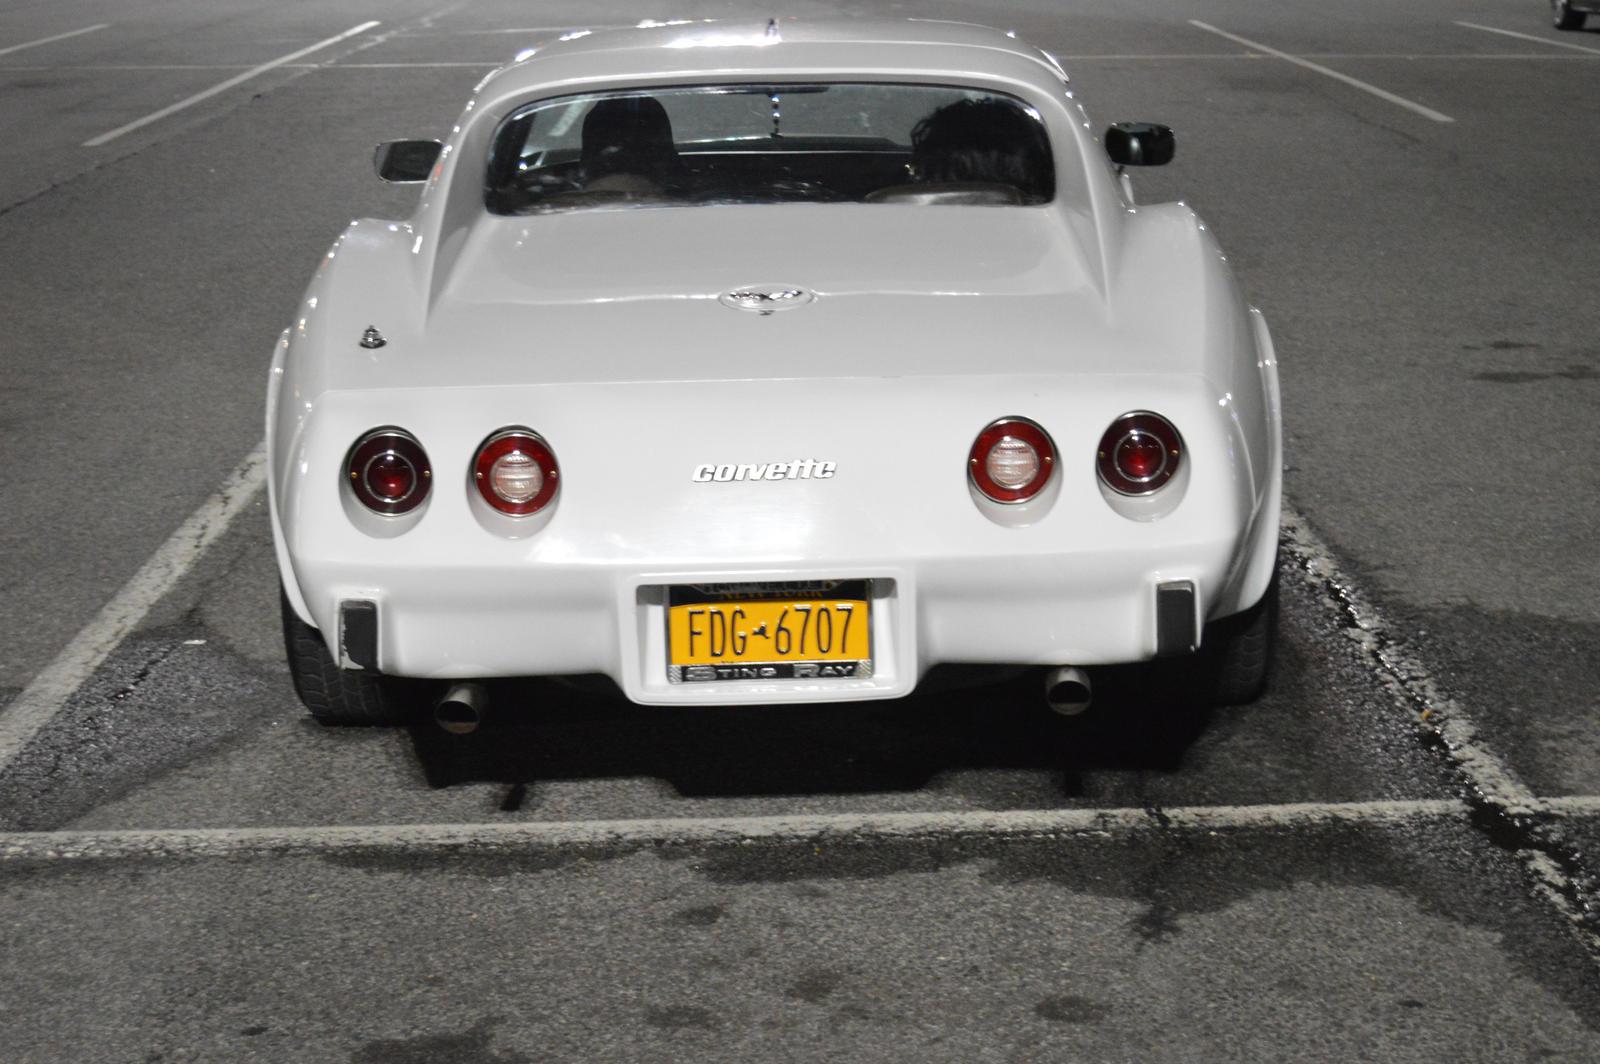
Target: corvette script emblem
pixel 765 300
pixel 799 469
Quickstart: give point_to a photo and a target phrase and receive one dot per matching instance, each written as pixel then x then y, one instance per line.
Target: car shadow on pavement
pixel 537 731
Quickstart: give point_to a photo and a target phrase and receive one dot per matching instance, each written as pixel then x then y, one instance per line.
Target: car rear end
pixel 870 485
pixel 799 441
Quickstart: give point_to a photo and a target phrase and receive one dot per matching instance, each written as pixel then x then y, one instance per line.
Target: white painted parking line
pixel 1409 681
pixel 158 68
pixel 1382 94
pixel 1498 789
pixel 1573 805
pixel 224 86
pixel 52 40
pixel 1530 37
pixel 701 831
pixel 48 692
pixel 517 31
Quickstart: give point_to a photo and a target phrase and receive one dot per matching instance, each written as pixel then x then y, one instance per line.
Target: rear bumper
pixel 458 622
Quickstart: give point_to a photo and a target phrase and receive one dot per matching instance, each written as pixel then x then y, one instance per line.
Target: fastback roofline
pixel 449 208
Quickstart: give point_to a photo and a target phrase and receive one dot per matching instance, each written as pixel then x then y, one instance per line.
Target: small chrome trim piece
pixel 798 469
pixel 766 300
pixel 372 339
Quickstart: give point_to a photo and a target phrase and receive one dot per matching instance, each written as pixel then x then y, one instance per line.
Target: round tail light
pixel 1139 453
pixel 516 472
pixel 1011 460
pixel 388 471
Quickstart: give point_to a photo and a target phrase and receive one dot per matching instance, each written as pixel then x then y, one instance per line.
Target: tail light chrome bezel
pixel 502 444
pixel 1139 454
pixel 397 451
pixel 1022 430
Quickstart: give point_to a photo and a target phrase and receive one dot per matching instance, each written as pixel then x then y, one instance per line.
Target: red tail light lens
pixel 1011 460
pixel 388 471
pixel 516 472
pixel 1139 453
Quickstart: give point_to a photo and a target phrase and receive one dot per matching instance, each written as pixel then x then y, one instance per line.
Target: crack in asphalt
pixel 153 662
pixel 1500 806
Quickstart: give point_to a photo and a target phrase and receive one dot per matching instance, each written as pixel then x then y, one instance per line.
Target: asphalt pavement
pixel 1387 858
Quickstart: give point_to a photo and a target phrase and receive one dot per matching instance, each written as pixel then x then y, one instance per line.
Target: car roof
pixel 696 47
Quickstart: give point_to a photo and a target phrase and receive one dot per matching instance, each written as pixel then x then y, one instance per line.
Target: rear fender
pixel 1254 567
pixel 291 586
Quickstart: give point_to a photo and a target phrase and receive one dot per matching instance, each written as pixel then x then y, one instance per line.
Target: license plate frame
pixel 754 615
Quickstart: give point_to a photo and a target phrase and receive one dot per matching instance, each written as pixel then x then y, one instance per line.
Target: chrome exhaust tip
pixel 1067 690
pixel 462 708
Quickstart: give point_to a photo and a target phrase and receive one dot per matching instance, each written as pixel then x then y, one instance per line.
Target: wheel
pixel 1238 650
pixel 331 694
pixel 1564 17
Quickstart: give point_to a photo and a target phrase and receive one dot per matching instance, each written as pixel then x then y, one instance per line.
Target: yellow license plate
pixel 759 632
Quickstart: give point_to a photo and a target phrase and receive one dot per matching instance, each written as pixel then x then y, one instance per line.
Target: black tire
pixel 1238 651
pixel 331 694
pixel 1564 17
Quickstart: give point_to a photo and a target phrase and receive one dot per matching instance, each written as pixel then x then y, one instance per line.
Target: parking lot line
pixel 253 72
pixel 1382 94
pixel 49 690
pixel 1505 807
pixel 524 836
pixel 1584 805
pixel 1409 681
pixel 1529 37
pixel 520 31
pixel 52 40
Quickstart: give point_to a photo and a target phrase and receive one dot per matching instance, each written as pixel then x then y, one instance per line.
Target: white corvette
pixel 769 363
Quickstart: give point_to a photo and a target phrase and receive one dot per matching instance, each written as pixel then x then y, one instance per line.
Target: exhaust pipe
pixel 1067 690
pixel 462 708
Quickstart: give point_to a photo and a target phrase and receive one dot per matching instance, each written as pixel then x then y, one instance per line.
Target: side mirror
pixel 405 161
pixel 1140 144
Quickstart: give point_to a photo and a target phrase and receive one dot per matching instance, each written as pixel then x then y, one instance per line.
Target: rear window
pixel 770 143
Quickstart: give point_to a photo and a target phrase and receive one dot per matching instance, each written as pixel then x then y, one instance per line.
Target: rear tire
pixel 1564 17
pixel 333 695
pixel 1238 651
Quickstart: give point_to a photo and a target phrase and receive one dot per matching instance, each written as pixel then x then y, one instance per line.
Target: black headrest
pixel 627 133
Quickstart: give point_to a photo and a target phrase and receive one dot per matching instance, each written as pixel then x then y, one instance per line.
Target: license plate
pixel 769 631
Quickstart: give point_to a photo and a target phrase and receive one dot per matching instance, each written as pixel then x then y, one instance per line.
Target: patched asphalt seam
pixel 1501 807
